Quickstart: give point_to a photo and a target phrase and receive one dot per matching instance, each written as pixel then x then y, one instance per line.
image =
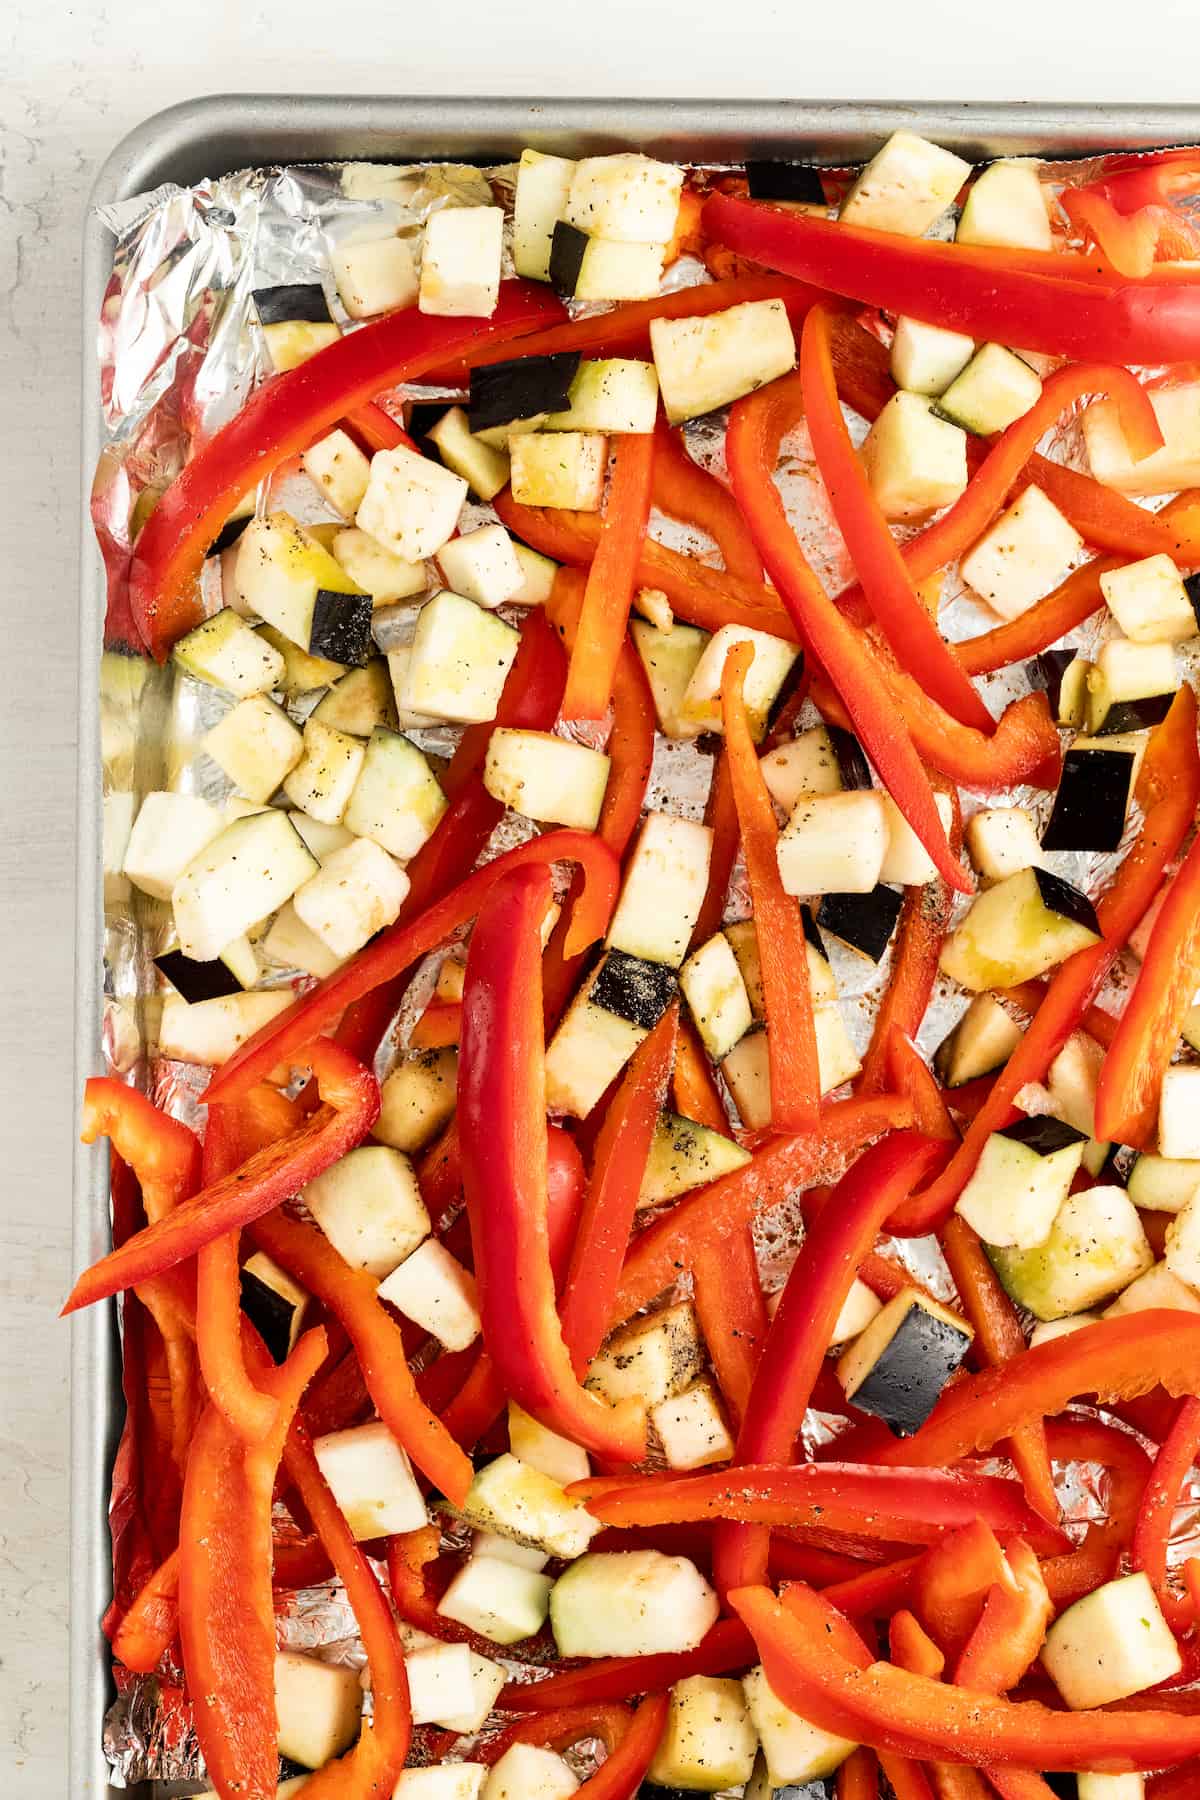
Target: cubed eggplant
pixel 1043 1133
pixel 779 180
pixel 1058 896
pixel 1135 715
pixel 634 990
pixel 896 1369
pixel 864 921
pixel 1046 672
pixel 272 1313
pixel 521 388
pixel 852 763
pixel 229 534
pixel 1091 802
pixel 290 302
pixel 341 627
pixel 423 415
pixel 567 249
pixel 1192 588
pixel 812 933
pixel 194 980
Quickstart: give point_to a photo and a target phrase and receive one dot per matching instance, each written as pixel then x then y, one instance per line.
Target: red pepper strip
pixel 723 1208
pixel 693 1085
pixel 1049 303
pixel 610 1205
pixel 1096 1560
pixel 282 418
pixel 377 428
pixel 1152 1533
pixel 1113 1358
pixel 802 1644
pixel 1126 242
pixel 560 1729
pixel 837 1496
pixel 1178 1784
pixel 620 1775
pixel 909 1073
pixel 1009 1634
pixel 886 580
pixel 858 1777
pixel 349 1294
pixel 438 1025
pixel 999 1335
pixel 149 1627
pixel 720 815
pixel 911 1649
pixel 876 1593
pixel 756 427
pixel 350 1106
pixel 300 1563
pixel 728 1645
pixel 502 1133
pixel 689 493
pixel 803 1325
pixel 924 921
pixel 530 701
pixel 1138 180
pixel 952 1581
pixel 732 1314
pixel 226 1608
pixel 400 945
pixel 1168 791
pixel 337 1398
pixel 411 1555
pixel 791 1035
pixel 611 578
pixel 246 1409
pixel 1029 996
pixel 1131 1075
pixel 370 1771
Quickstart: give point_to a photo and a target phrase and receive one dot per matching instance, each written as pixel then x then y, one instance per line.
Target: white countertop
pixel 75 79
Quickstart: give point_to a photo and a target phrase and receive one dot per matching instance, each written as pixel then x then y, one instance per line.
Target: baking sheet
pixel 213 137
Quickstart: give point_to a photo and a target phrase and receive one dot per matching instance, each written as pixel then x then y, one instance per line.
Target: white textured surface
pixel 74 80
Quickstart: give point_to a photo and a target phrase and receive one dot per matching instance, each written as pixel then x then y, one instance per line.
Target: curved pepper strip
pixel 349 1107
pixel 610 1204
pixel 1114 1358
pixel 281 419
pixel 791 1035
pixel 951 1583
pixel 1048 304
pixel 1168 791
pixel 1152 1532
pixel 999 1334
pixel 620 1775
pixel 909 1073
pixel 1011 1628
pixel 802 1644
pixel 876 1593
pixel 1131 1075
pixel 1126 242
pixel 756 426
pixel 608 594
pixel 728 1205
pixel 802 1328
pixel 226 1605
pixel 837 1496
pixel 1078 1438
pixel 560 1729
pixel 690 494
pixel 349 1294
pixel 165 1158
pixel 502 1134
pixel 913 1650
pixel 410 1557
pixel 693 1086
pixel 149 1627
pixel 881 568
pixel 246 1409
pixel 398 947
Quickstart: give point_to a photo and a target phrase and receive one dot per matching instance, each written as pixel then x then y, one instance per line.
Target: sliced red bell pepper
pixel 1168 791
pixel 783 954
pixel 401 944
pixel 417 1575
pixel 1152 1532
pixel 913 1650
pixel 610 1205
pixel 560 1729
pixel 620 1774
pixel 1147 1035
pixel 371 1770
pixel 377 428
pixel 999 1335
pixel 952 1581
pixel 858 1777
pixel 885 577
pixel 349 1107
pixel 226 1607
pixel 838 1496
pixel 281 419
pixel 1078 1438
pixel 803 1325
pixel 1095 1021
pixel 876 1593
pixel 924 920
pixel 690 494
pixel 756 427
pixel 727 1206
pixel 349 1294
pixel 720 815
pixel 149 1627
pixel 502 1133
pixel 727 1646
pixel 440 1024
pixel 1049 302
pixel 1146 179
pixel 807 1665
pixel 732 1313
pixel 693 1086
pixel 1126 241
pixel 1011 1628
pixel 608 595
pixel 631 1742
pixel 248 1411
pixel 908 1073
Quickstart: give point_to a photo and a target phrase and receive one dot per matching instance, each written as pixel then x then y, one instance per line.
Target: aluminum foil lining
pixel 180 351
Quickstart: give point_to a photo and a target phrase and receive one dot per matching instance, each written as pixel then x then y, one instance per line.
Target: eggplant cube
pixel 834 844
pixel 369 1206
pixel 341 471
pixel 482 566
pixel 915 461
pixel 484 468
pixel 1176 465
pixel 244 873
pixel 323 780
pixel 906 186
pixel 769 669
pixel 440 1685
pixel 926 358
pixel 685 1155
pixel 692 1428
pixel 1006 207
pixel 666 878
pixel 616 395
pixel 224 652
pixel 396 801
pixel 442 1781
pixel 411 505
pixel 805 766
pixel 994 390
pixel 289 944
pixel 547 778
pixel 209 1032
pixel 707 362
pixel 537 577
pixel 1021 557
pixel 1157 1288
pixel 1017 930
pixel 354 894
pixel 796 1751
pixel 559 468
pixel 628 197
pixel 864 921
pixel 906 862
pixel 375 277
pixel 1021 1180
pixel 604 269
pixel 651 1359
pixel 1091 802
pixel 496 1599
pixel 897 1368
pixel 1183 1244
pixel 524 1503
pixel 273 1303
pixel 669 659
pixel 1149 601
pixel 169 833
pixel 278 573
pixel 983 1040
pixel 1001 841
pixel 709 1741
pixel 1113 1643
pixel 256 745
pixel 1179 1113
pixel 527 1772
pixel 543 183
pixel 318 1706
pixel 631 1603
pixel 593 1043
pixel 460 660
pixel 372 1481
pixel 716 994
pixel 434 1290
pixel 376 571
pixel 460 262
pixel 540 1448
pixel 1096 1248
pixel 417 1099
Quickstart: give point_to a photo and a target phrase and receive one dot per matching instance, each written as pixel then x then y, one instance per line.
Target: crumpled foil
pixel 180 351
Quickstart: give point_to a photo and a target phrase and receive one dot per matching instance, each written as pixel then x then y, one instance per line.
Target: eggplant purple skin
pixel 567 248
pixel 908 1377
pixel 1091 802
pixel 195 981
pixel 1135 715
pixel 292 302
pixel 269 1313
pixel 341 627
pixel 853 767
pixel 633 989
pixel 1046 671
pixel 1068 902
pixel 780 180
pixel 1043 1133
pixel 864 921
pixel 520 388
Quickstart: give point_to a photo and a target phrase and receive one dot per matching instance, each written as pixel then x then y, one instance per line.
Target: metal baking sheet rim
pixel 221 133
